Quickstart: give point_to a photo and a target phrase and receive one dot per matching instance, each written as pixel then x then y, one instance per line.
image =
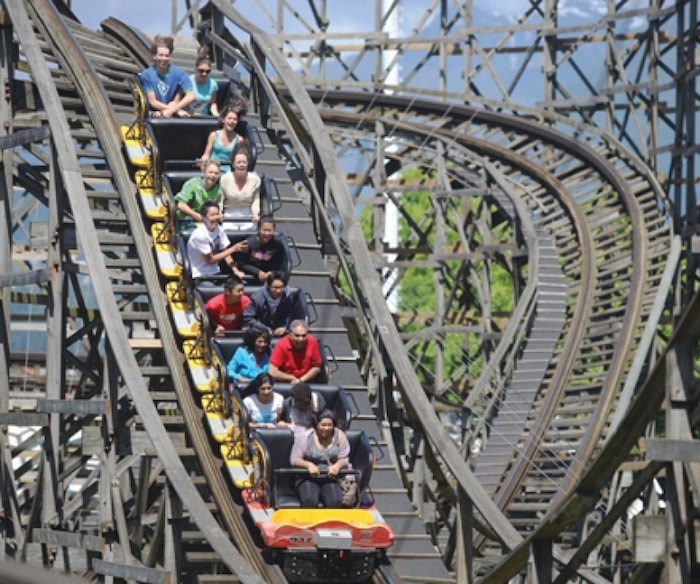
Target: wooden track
pixel 596 233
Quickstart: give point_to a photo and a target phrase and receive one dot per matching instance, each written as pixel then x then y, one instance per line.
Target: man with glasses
pixel 297 356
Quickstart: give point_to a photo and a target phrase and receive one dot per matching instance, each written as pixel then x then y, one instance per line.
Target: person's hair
pixel 322 415
pixel 226 111
pixel 301 388
pixel 204 210
pixel 238 103
pixel 204 59
pixel 202 53
pixel 232 282
pixel 257 383
pixel 241 149
pixel 161 41
pixel 252 335
pixel 266 219
pixel 208 162
pixel 276 275
pixel 297 323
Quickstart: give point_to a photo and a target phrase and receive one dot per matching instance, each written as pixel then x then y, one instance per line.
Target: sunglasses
pixel 204 71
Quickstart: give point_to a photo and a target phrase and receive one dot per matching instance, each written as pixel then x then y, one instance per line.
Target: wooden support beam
pixel 649 535
pixel 133 573
pixel 24 279
pixel 93 407
pixel 673 450
pixel 24 137
pixel 23 419
pixel 541 565
pixel 55 537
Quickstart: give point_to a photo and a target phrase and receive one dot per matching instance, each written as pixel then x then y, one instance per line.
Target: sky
pixel 154 16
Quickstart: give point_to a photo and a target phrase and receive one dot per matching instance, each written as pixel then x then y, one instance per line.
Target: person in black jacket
pixel 266 252
pixel 274 306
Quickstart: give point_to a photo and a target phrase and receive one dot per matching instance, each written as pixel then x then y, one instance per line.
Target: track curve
pixel 599 229
pixel 77 75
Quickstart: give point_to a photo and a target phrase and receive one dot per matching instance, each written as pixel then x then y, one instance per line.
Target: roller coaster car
pixel 179 142
pixel 170 144
pixel 138 150
pixel 187 303
pixel 204 293
pixel 173 180
pixel 318 545
pixel 334 397
pixel 179 256
pixel 165 230
pixel 230 428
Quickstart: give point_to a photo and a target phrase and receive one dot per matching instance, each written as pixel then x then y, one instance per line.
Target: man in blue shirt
pixel 168 88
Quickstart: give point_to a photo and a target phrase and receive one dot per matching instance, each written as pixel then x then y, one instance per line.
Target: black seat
pixel 276 446
pixel 334 396
pixel 173 180
pixel 223 94
pixel 179 142
pixel 361 456
pixel 225 347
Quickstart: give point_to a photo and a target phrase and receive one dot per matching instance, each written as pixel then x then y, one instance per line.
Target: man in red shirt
pixel 225 310
pixel 297 356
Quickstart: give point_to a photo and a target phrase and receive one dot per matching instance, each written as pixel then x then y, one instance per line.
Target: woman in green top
pixel 195 192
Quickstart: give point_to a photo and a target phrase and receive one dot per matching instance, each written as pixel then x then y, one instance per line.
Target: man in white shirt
pixel 208 245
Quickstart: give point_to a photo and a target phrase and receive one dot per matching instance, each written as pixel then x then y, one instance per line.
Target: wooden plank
pixel 673 450
pixel 67 539
pixel 78 407
pixel 649 538
pixel 33 277
pixel 23 419
pixel 24 137
pixel 135 573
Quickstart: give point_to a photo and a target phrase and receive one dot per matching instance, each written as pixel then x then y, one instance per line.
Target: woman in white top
pixel 240 192
pixel 264 405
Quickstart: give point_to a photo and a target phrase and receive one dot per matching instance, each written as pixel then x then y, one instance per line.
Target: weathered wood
pixel 67 539
pixel 134 573
pixel 23 137
pixel 33 277
pixel 23 419
pixel 68 407
pixel 673 450
pixel 649 535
